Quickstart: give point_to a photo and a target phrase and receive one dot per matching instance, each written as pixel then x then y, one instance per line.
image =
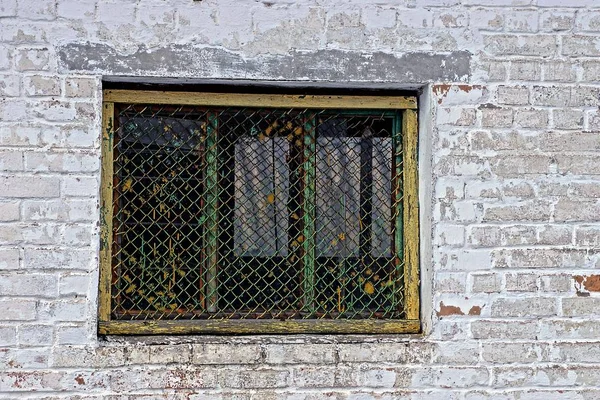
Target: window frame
pixel 406 105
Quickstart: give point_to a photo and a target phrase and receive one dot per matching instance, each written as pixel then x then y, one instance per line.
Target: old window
pixel 258 213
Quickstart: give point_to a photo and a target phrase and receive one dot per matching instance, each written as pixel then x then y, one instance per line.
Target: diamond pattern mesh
pixel 243 213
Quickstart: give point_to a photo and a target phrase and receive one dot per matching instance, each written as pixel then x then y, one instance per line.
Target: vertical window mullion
pixel 211 200
pixel 410 213
pixel 309 212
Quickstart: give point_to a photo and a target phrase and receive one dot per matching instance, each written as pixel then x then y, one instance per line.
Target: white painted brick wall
pixel 510 234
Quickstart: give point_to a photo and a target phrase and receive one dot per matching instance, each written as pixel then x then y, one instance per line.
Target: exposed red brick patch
pixel 592 283
pixel 448 310
pixel 475 310
pixel 586 284
pixel 442 90
pixel 79 379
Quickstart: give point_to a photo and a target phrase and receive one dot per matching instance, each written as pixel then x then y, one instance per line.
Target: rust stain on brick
pixel 79 379
pixel 448 310
pixel 475 310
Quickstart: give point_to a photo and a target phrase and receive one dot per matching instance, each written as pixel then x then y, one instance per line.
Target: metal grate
pixel 240 213
pixel 254 214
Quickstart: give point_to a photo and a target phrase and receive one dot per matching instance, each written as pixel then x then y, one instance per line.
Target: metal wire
pixel 242 213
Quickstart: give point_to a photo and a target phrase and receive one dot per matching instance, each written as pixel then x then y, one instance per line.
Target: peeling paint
pixel 327 65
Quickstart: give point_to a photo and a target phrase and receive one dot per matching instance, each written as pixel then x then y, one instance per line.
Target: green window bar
pixel 247 214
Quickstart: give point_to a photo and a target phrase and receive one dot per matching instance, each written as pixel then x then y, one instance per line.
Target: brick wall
pixel 509 193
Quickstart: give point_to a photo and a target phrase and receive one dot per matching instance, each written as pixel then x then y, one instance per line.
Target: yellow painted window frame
pixel 408 107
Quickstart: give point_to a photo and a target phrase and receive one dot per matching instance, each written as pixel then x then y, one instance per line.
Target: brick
pixel 80 186
pixel 496 117
pixel 254 379
pixel 40 85
pixel 518 166
pixel 581 45
pixel 379 18
pixel 8 336
pixel 505 352
pixel 490 19
pixel 553 96
pixel 542 258
pixel 73 285
pixel 76 9
pixel 11 161
pixel 581 306
pixel 8 8
pixel 516 95
pixel 12 109
pixel 169 354
pixel 313 376
pixel 558 71
pixel 556 283
pixel 456 116
pixel 589 21
pixel 512 329
pixel 569 329
pixel 521 282
pixel 524 307
pixel 461 353
pixel 58 258
pixel 24 358
pixel 222 354
pixel 32 59
pixel 81 87
pixel 528 211
pixel 557 20
pixel 485 283
pixel 72 210
pixel 522 70
pixel 466 260
pixel 455 377
pixel 39 9
pixel 555 235
pixel 522 45
pixel 568 141
pixel 63 311
pixel 450 282
pixel 30 234
pixel 19 135
pixel 450 235
pixel 304 353
pixel 43 285
pixel 75 136
pixel 366 376
pixel 577 165
pixel 522 20
pixel 572 211
pixel 61 162
pixel 585 96
pixel 451 19
pixel 590 70
pixel 17 310
pixel 54 110
pixel 35 335
pixel 10 85
pixel 9 211
pixel 568 119
pixel 402 353
pixel 9 259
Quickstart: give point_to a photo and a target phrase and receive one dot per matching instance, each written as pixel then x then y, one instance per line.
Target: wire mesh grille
pixel 244 213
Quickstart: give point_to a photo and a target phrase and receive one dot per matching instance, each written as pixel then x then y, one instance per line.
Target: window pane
pixel 158 167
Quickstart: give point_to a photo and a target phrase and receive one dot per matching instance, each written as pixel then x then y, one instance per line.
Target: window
pixel 258 213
